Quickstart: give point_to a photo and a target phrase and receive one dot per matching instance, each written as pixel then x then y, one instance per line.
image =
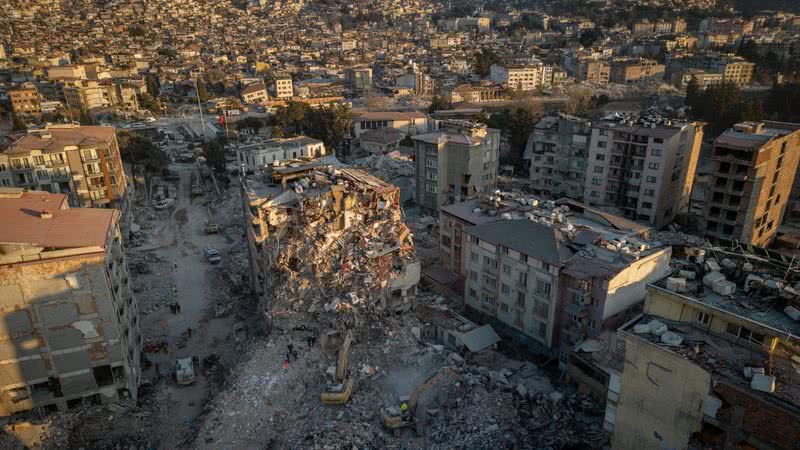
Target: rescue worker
pixel 404 410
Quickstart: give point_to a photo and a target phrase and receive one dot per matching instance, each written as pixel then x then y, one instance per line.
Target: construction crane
pixel 408 417
pixel 338 392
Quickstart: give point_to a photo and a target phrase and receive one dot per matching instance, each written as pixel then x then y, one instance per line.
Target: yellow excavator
pixel 407 416
pixel 338 392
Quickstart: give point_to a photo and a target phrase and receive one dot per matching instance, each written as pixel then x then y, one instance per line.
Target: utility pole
pixel 200 107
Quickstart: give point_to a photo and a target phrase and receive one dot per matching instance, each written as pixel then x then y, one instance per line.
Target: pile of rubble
pixel 426 238
pixel 386 167
pixel 335 242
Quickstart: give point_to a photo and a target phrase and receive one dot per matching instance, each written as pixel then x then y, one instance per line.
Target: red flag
pixel 221 120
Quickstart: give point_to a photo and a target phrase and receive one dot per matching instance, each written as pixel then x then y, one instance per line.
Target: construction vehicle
pixel 211 227
pixel 338 392
pixel 398 418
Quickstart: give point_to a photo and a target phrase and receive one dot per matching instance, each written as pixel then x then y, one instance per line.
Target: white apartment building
pixel 283 87
pixel 256 156
pixel 644 166
pixel 455 163
pixel 557 151
pixel 525 77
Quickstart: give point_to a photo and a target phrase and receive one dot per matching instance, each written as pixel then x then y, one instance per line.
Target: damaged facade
pixel 69 330
pixel 329 239
pixel 713 361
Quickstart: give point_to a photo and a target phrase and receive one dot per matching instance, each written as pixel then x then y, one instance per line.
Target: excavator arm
pixel 341 365
pixel 429 383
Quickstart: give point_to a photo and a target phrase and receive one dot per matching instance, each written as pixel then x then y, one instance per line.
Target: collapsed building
pixel 328 239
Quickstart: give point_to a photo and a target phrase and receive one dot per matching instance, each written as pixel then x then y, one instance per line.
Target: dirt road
pixel 180 241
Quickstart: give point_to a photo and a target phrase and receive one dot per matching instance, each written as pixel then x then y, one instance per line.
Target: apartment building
pixel 631 70
pixel 25 100
pixel 644 166
pixel 455 163
pixel 66 72
pixel 359 79
pixel 734 69
pixel 259 155
pixel 90 94
pixel 548 281
pixel 70 323
pixel 594 70
pixel 411 123
pixel 704 79
pixel 283 87
pixel 80 161
pixel 522 77
pixel 712 362
pixel 557 152
pixel 477 94
pixel 645 27
pixel 754 169
pixel 255 93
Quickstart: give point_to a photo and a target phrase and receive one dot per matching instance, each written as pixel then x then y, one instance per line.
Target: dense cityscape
pixel 427 224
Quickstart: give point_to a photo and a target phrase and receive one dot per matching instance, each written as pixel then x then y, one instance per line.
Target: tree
pixel 517 123
pixel 588 37
pixel 85 117
pixel 202 91
pixel 692 91
pixel 439 103
pixel 781 102
pixel 153 85
pixel 19 124
pixel 139 150
pixel 250 123
pixel 484 61
pixel 214 152
pixel 147 102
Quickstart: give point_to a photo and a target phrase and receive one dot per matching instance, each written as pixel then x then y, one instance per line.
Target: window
pixel 488 299
pixel 653 166
pixel 490 262
pixel 655 152
pixel 543 288
pixel 473 293
pixel 649 192
pixel 504 288
pixel 596 181
pixel 523 279
pixel 473 257
pixel 506 269
pixel 546 267
pixel 446 241
pixel 38 160
pixel 652 180
pixel 521 299
pixel 591 324
pixel 542 330
pixel 647 205
pixel 703 317
pixel 744 333
pixel 541 309
pixel 598 169
pixel 504 307
pixel 489 281
pixel 601 144
pixel 473 275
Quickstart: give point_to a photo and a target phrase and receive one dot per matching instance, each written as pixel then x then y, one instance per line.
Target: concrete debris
pixel 763 383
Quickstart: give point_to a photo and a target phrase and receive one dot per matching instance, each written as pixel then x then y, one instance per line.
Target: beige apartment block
pixel 754 168
pixel 69 324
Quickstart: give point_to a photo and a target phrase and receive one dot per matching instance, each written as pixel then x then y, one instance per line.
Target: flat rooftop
pixel 764 307
pixel 726 359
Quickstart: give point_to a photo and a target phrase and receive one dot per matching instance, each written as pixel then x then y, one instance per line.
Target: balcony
pixel 577 310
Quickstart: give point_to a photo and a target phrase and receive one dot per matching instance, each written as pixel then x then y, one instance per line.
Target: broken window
pixel 119 373
pixel 703 317
pixel 103 375
pixel 17 395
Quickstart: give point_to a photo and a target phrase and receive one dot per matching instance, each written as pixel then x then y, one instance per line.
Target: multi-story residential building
pixel 283 87
pixel 81 161
pixel 734 69
pixel 522 77
pixel 67 72
pixel 455 163
pixel 645 27
pixel 594 70
pixel 704 79
pixel 477 94
pixel 644 166
pixel 359 79
pixel 90 94
pixel 25 100
pixel 70 329
pixel 629 70
pixel 262 154
pixel 712 363
pixel 754 168
pixel 255 93
pixel 557 151
pixel 411 123
pixel 546 284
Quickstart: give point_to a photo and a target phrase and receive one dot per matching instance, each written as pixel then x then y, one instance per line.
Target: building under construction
pixel 323 239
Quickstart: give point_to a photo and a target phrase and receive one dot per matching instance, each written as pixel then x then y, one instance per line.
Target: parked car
pixel 184 371
pixel 212 256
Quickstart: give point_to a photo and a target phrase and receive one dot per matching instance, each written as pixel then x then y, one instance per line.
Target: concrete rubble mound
pixel 332 241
